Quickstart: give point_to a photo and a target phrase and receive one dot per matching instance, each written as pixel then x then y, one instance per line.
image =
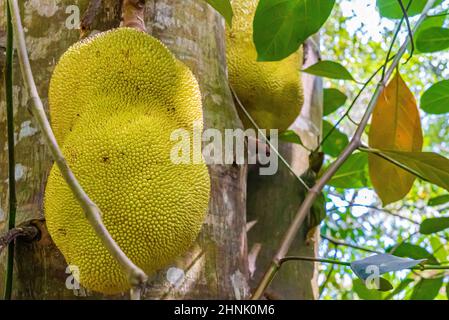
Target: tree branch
pixel 389 212
pixel 318 187
pixel 356 98
pixel 342 243
pixel 395 36
pixel 409 28
pixel 311 259
pixel 348 264
pixel 29 233
pixel 93 214
pixel 133 14
pixel 265 138
pixel 88 17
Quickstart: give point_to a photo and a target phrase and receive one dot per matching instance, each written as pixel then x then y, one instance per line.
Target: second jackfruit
pixel 270 91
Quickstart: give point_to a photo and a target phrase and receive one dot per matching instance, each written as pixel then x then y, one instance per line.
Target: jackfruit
pixel 114 101
pixel 271 92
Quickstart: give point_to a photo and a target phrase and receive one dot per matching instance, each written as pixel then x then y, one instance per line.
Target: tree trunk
pixel 216 267
pixel 274 200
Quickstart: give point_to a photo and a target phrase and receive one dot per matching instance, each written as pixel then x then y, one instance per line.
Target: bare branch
pixel 382 210
pixel 345 244
pixel 313 193
pixel 27 232
pixel 133 14
pixel 409 28
pixel 312 259
pixel 348 264
pixel 93 214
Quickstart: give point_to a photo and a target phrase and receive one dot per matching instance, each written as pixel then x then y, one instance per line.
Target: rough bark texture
pixel 274 200
pixel 216 267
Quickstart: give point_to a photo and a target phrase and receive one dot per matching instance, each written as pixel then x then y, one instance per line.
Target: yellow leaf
pixel 395 126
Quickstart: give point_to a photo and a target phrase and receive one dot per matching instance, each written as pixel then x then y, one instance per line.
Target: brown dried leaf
pixel 395 126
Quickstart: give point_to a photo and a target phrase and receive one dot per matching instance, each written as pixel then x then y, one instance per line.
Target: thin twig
pixel 439 15
pixel 342 243
pixel 382 155
pixel 28 232
pixel 312 259
pixel 93 214
pixel 395 36
pixel 354 101
pixel 389 212
pixel 12 201
pixel 329 274
pixel 355 143
pixel 348 264
pixel 265 138
pixel 397 245
pixel 409 28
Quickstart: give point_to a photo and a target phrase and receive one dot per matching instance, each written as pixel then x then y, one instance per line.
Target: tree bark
pixel 274 200
pixel 216 266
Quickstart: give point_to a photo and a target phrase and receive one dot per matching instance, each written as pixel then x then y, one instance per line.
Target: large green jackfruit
pixel 270 91
pixel 114 100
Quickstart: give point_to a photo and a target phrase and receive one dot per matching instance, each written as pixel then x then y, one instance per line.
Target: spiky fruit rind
pixel 271 92
pixel 115 99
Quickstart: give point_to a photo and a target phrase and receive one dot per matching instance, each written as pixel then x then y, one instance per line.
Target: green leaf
pixel 427 289
pixel 224 7
pixel 447 290
pixel 353 173
pixel 433 39
pixel 392 10
pixel 438 201
pixel 413 251
pixel 439 248
pixel 434 225
pixel 436 99
pixel 385 285
pixel 364 293
pixel 280 26
pixel 329 69
pixel 336 142
pixel 401 287
pixel 290 136
pixel 333 99
pixel 431 21
pixel 429 166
